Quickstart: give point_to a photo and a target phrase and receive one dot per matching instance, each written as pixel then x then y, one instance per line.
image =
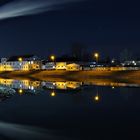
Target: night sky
pixel 106 26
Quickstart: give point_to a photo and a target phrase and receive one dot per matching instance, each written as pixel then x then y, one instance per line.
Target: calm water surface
pixel 73 111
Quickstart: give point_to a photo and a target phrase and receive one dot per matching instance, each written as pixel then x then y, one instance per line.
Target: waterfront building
pixel 61 65
pixel 48 66
pixel 25 63
pixel 131 63
pixel 73 67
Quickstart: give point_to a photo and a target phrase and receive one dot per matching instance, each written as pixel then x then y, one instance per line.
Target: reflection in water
pixel 62 85
pixel 113 87
pixel 9 87
pixel 97 98
pixel 53 94
pixel 66 109
pixel 6 92
pixel 33 85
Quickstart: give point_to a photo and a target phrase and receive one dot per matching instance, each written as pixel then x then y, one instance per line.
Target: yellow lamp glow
pixel 20 91
pixel 96 98
pixel 20 59
pixel 52 57
pixel 53 94
pixel 96 55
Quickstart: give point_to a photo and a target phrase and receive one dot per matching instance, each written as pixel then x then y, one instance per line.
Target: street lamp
pixel 96 55
pixel 20 59
pixel 52 57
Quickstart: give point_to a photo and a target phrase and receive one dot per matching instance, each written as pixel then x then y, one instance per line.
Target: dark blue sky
pixel 105 26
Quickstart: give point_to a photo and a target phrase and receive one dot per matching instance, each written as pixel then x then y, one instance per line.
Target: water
pixel 68 110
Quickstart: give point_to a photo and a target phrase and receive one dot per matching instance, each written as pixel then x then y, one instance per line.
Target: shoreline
pixel 101 78
pixel 75 75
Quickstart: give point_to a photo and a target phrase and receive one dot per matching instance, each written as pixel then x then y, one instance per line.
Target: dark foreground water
pixel 83 113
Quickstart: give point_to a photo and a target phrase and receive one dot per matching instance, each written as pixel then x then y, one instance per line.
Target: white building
pixel 131 63
pixel 25 63
pixel 48 66
pixel 61 66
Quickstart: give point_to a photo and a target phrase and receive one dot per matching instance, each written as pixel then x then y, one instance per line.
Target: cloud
pixel 18 8
pixel 24 132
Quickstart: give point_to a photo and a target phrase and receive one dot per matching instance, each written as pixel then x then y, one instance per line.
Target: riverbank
pixel 75 75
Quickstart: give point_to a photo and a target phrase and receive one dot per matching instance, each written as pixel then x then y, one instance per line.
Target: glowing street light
pixel 113 61
pixel 20 59
pixel 96 55
pixel 52 57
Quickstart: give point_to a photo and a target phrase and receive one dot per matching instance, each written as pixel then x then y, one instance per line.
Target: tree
pixel 125 55
pixel 79 51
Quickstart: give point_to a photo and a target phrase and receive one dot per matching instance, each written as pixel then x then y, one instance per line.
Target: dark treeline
pixel 81 52
pixel 77 52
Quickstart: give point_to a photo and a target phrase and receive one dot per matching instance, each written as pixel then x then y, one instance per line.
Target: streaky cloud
pixel 18 8
pixel 24 132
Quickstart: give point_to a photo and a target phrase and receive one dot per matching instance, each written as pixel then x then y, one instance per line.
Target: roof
pixel 15 58
pixel 73 64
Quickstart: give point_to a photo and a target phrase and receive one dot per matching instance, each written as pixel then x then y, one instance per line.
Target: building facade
pixel 24 63
pixel 61 65
pixel 73 67
pixel 48 66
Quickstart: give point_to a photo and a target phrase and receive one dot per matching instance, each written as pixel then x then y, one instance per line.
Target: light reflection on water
pixel 71 109
pixel 22 86
pixel 9 87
